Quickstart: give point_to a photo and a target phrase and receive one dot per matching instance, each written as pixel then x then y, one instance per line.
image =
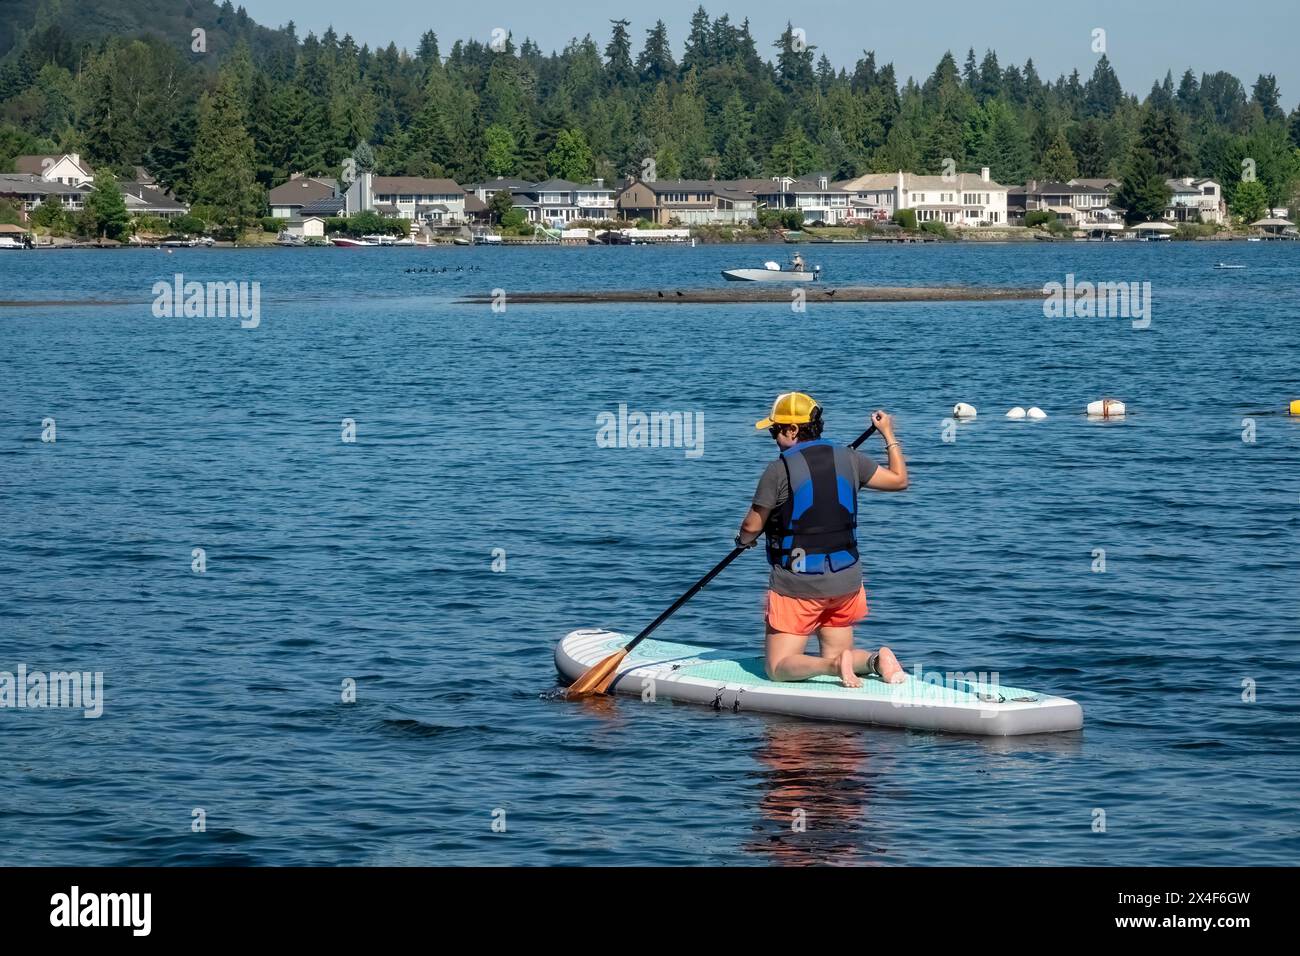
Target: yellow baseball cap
pixel 791 408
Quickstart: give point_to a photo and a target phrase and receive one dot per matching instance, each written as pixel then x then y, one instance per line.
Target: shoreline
pixel 819 292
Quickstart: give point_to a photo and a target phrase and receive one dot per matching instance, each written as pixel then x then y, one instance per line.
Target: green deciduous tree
pixel 571 157
pixel 105 214
pixel 1250 201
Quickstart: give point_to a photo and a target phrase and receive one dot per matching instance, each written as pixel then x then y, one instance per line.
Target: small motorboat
pixel 347 243
pixel 772 272
pixel 1224 265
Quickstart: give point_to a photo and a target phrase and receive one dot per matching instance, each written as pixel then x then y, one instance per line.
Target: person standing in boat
pixel 807 503
pixel 796 264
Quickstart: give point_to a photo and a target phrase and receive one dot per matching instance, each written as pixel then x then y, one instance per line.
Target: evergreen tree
pixel 1163 134
pixel 793 154
pixel 1143 194
pixel 794 61
pixel 1090 149
pixel 1059 164
pixel 990 81
pixel 655 62
pixel 1102 93
pixel 223 158
pixel 1189 92
pixel 698 55
pixel 618 55
pixel 1266 97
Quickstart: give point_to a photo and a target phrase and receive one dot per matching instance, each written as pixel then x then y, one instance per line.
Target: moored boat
pixel 346 243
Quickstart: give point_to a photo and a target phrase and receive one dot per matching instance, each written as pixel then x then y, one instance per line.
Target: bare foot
pixel 847 676
pixel 887 666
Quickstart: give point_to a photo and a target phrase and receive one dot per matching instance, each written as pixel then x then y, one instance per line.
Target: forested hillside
pixel 221 127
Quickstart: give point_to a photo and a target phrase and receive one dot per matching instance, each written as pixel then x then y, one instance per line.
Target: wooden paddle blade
pixel 598 679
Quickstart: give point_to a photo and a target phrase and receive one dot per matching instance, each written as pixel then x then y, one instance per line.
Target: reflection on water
pixel 817 787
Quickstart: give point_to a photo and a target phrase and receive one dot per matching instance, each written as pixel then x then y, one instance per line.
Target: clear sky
pixel 1144 38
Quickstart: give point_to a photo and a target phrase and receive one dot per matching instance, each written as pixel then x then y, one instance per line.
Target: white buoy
pixel 1017 413
pixel 1036 413
pixel 1106 408
pixel 962 410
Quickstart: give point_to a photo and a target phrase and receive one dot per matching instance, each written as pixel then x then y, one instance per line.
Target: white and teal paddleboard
pixel 952 702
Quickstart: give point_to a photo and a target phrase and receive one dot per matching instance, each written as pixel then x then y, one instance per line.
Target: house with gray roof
pixel 28 191
pixel 1078 205
pixel 687 201
pixel 287 199
pixel 1195 200
pixel 417 198
pixel 146 200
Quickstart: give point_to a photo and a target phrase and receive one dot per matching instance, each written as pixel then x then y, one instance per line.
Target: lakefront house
pixel 687 201
pixel 1195 200
pixel 28 191
pixel 419 199
pixel 1077 204
pixel 288 199
pixel 960 200
pixel 67 168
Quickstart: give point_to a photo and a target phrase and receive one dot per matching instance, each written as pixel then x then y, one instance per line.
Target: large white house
pixel 960 200
pixel 815 197
pixel 558 200
pixel 435 201
pixel 1195 200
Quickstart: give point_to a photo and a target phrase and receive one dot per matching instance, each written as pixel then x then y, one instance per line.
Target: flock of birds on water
pixel 435 269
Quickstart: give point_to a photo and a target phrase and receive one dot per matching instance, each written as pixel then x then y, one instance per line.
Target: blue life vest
pixel 814 531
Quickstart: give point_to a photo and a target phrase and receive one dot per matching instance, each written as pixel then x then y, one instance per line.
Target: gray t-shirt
pixel 772 492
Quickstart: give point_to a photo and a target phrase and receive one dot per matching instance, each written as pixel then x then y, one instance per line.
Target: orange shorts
pixel 791 615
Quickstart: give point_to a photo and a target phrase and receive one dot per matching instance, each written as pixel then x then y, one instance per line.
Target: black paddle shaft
pixel 717 569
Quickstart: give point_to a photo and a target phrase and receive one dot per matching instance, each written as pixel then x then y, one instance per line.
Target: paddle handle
pixel 717 569
pixel 863 437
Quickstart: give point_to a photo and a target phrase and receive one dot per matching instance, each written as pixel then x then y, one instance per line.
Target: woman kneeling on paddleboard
pixel 807 503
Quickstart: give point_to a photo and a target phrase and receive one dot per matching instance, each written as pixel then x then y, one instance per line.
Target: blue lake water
pixel 475 431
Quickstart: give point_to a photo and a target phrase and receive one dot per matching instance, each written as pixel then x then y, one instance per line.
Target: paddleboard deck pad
pixel 949 702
